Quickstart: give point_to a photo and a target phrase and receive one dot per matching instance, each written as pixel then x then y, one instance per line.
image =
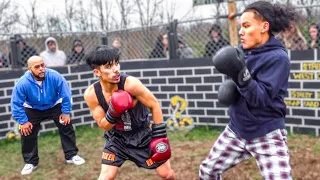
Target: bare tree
pixel 114 24
pixel 148 11
pixel 104 15
pixel 167 12
pixel 8 16
pixel 310 11
pixel 99 7
pixel 33 21
pixel 126 8
pixel 83 18
pixel 70 12
pixel 55 24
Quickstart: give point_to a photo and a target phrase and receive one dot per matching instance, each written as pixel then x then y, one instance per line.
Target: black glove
pixel 230 61
pixel 159 130
pixel 228 93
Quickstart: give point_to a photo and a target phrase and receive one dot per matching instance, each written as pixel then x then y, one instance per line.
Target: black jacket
pixel 212 47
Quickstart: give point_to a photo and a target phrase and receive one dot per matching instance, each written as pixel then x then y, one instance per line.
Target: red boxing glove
pixel 120 102
pixel 161 149
pixel 159 145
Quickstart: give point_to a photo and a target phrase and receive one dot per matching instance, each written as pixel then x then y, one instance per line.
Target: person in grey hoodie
pixel 183 51
pixel 52 56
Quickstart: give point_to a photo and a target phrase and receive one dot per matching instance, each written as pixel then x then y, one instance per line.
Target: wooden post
pixel 233 31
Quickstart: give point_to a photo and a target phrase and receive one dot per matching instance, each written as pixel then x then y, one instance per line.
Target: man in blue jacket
pixel 40 94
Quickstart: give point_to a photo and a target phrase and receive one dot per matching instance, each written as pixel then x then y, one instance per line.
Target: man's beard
pixel 38 78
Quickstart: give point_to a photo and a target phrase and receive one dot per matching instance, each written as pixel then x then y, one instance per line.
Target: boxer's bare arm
pixel 95 108
pixel 137 89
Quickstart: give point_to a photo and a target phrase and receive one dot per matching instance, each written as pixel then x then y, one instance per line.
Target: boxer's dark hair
pixel 102 55
pixel 278 15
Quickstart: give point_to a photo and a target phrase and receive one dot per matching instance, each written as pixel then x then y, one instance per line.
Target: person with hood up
pixel 183 51
pixel 52 56
pixel 77 54
pixel 216 41
pixel 40 94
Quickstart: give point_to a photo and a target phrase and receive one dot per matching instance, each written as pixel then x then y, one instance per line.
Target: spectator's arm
pixel 65 93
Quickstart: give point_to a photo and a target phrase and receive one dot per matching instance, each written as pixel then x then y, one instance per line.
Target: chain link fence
pixel 4 50
pixel 203 37
pixel 184 39
pixel 73 45
pixel 139 43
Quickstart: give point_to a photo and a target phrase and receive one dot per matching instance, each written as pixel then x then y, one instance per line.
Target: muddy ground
pixel 186 157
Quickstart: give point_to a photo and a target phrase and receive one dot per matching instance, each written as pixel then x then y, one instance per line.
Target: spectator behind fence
pixel 116 43
pixel 52 56
pixel 161 48
pixel 183 51
pixel 77 53
pixel 292 38
pixel 216 41
pixel 314 36
pixel 26 51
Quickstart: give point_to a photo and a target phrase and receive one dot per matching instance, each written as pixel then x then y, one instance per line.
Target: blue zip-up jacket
pixel 261 108
pixel 41 97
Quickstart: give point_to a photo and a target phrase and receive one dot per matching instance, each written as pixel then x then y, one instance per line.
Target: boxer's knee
pixel 106 176
pixel 108 172
pixel 169 175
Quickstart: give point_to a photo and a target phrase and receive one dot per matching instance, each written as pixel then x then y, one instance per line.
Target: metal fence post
pixel 104 40
pixel 15 55
pixel 173 40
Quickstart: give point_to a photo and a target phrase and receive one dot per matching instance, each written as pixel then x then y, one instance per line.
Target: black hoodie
pixel 74 57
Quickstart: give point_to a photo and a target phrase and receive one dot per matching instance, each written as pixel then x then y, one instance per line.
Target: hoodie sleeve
pixel 17 101
pixel 64 57
pixel 65 93
pixel 271 78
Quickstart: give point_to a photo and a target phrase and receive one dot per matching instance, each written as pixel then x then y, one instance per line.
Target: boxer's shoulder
pixel 90 95
pixel 132 83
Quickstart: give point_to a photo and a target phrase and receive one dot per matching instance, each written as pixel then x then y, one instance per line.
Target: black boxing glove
pixel 228 93
pixel 230 61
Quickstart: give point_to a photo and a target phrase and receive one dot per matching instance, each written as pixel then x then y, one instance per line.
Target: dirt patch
pixel 186 158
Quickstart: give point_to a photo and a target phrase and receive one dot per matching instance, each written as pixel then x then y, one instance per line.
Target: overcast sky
pixel 183 10
pixel 183 7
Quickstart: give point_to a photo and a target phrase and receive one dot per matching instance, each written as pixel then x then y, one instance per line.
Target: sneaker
pixel 77 160
pixel 28 168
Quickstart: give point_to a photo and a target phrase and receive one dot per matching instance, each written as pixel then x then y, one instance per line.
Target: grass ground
pixel 188 150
